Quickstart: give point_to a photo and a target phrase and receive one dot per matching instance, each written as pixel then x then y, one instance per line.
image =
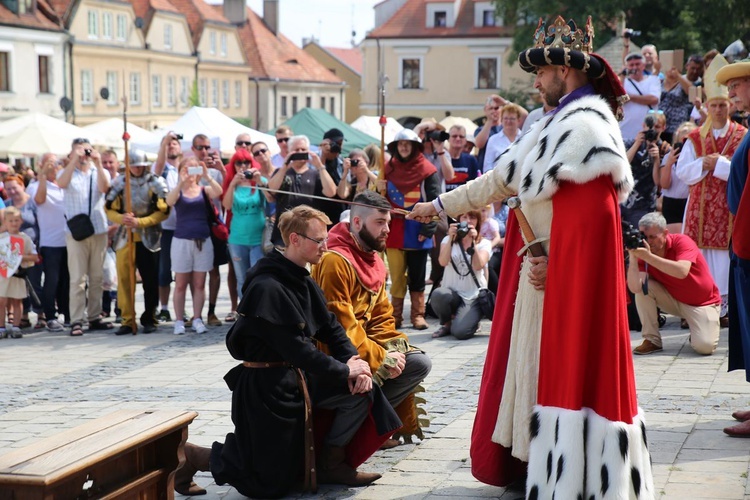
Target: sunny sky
pixel 330 21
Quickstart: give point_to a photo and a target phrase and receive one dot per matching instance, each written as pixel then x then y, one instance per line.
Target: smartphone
pixel 299 156
pixel 195 170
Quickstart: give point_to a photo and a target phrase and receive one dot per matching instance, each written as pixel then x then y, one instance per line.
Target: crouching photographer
pixel 645 154
pixel 463 299
pixel 668 272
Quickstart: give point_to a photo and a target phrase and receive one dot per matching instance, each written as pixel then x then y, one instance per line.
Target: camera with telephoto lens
pixel 438 135
pixel 87 152
pixel 335 147
pixel 462 230
pixel 630 32
pixel 632 237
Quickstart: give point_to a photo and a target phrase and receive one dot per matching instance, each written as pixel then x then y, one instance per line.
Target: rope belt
pixel 311 478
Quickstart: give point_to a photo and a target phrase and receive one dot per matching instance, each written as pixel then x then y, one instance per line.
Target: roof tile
pixel 350 57
pixel 33 20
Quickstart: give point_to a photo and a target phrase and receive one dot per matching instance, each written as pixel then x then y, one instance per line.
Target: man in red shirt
pixel 669 272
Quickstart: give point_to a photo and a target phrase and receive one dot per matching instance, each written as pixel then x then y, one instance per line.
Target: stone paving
pixel 51 381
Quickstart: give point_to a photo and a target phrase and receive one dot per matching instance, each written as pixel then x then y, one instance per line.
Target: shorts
pixel 187 257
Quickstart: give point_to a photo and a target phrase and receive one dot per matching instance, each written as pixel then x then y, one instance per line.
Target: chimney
pixel 271 15
pixel 234 11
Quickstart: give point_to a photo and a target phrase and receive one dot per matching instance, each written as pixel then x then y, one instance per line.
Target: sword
pixel 399 211
pixel 534 247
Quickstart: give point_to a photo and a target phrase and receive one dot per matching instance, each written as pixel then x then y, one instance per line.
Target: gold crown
pixel 562 35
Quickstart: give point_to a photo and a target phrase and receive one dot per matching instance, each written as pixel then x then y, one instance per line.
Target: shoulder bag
pixel 80 225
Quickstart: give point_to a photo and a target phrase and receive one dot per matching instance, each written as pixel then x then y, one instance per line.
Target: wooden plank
pixel 138 484
pixel 113 437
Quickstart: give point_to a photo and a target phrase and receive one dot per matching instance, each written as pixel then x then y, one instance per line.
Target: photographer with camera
pixel 357 175
pixel 645 154
pixel 84 186
pixel 674 191
pixel 464 255
pixel 668 271
pixel 433 137
pixel 330 154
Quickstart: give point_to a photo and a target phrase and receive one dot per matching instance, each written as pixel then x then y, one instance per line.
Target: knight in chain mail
pixel 149 208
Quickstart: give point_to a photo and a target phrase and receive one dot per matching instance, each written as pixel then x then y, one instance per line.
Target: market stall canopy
pixel 370 125
pixel 36 134
pixel 315 122
pixel 221 129
pixel 109 134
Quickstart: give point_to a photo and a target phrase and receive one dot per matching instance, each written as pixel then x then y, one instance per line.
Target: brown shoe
pixel 647 348
pixel 212 320
pixel 741 415
pixel 724 322
pixel 417 311
pixel 196 459
pixel 684 324
pixel 398 310
pixel 740 430
pixel 333 469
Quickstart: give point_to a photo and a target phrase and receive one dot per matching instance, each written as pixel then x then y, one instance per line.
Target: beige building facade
pixel 344 68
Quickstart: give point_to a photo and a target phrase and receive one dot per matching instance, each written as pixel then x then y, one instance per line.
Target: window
pixel 411 77
pixel 170 91
pixel 203 91
pixel 215 93
pixel 93 24
pixel 322 102
pixel 488 18
pixel 237 94
pixel 487 73
pixel 225 93
pixel 156 90
pixel 44 64
pixel 283 106
pixel 224 44
pixel 441 19
pixel 5 72
pixel 107 25
pixel 121 23
pixel 308 102
pixel 167 37
pixel 184 90
pixel 333 105
pixel 212 42
pixel 135 88
pixel 112 87
pixel 294 105
pixel 87 87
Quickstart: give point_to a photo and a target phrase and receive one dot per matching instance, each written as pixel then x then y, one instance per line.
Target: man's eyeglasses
pixel 200 147
pixel 259 152
pixel 495 108
pixel 454 136
pixel 244 143
pixel 322 242
pixel 282 139
pixel 80 140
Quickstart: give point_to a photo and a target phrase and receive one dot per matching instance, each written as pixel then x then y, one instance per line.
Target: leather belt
pixel 311 475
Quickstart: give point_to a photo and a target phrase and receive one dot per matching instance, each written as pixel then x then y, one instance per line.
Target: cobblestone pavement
pixel 51 381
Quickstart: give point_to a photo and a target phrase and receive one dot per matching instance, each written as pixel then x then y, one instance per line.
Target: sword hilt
pixel 535 249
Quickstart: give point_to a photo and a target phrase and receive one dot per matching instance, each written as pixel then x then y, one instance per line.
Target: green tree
pixel 195 98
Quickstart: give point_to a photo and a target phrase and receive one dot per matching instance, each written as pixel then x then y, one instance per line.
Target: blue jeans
pixel 243 258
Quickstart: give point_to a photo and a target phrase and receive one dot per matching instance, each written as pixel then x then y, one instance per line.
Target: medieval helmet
pixel 405 135
pixel 138 158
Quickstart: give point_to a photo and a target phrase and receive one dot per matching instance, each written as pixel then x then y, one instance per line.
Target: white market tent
pixel 109 134
pixel 370 125
pixel 36 134
pixel 221 129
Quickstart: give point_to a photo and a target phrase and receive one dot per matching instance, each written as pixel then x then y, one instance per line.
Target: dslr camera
pixel 630 32
pixel 178 136
pixel 462 230
pixel 650 134
pixel 632 237
pixel 438 135
pixel 335 147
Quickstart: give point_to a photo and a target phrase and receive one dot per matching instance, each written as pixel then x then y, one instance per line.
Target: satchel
pixel 219 230
pixel 80 225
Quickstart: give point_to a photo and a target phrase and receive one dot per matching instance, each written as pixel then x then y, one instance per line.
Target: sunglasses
pixel 259 152
pixel 202 148
pixel 655 111
pixel 242 163
pixel 283 139
pixel 244 143
pixel 81 140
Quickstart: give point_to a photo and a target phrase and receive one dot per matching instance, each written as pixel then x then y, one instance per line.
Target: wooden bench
pixel 129 454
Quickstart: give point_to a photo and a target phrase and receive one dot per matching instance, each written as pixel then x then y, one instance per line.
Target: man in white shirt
pixel 644 92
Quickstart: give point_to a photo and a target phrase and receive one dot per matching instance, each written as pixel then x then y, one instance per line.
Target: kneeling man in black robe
pixel 283 377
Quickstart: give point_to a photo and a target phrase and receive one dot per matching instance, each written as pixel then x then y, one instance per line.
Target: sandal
pixel 231 317
pixel 76 330
pixel 25 323
pixel 40 325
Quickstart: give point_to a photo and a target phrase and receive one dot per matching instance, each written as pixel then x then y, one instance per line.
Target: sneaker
pixel 54 326
pixel 3 333
pixel 164 316
pixel 179 328
pixel 647 348
pixel 213 320
pixel 198 326
pixel 15 332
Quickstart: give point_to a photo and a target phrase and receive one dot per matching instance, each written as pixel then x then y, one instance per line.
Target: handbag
pixel 485 297
pixel 219 229
pixel 80 225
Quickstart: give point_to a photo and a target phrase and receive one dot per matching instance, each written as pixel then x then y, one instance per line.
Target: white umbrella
pixel 370 125
pixel 109 133
pixel 221 129
pixel 469 125
pixel 36 134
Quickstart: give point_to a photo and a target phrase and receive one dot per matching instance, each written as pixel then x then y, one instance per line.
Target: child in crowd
pixel 13 288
